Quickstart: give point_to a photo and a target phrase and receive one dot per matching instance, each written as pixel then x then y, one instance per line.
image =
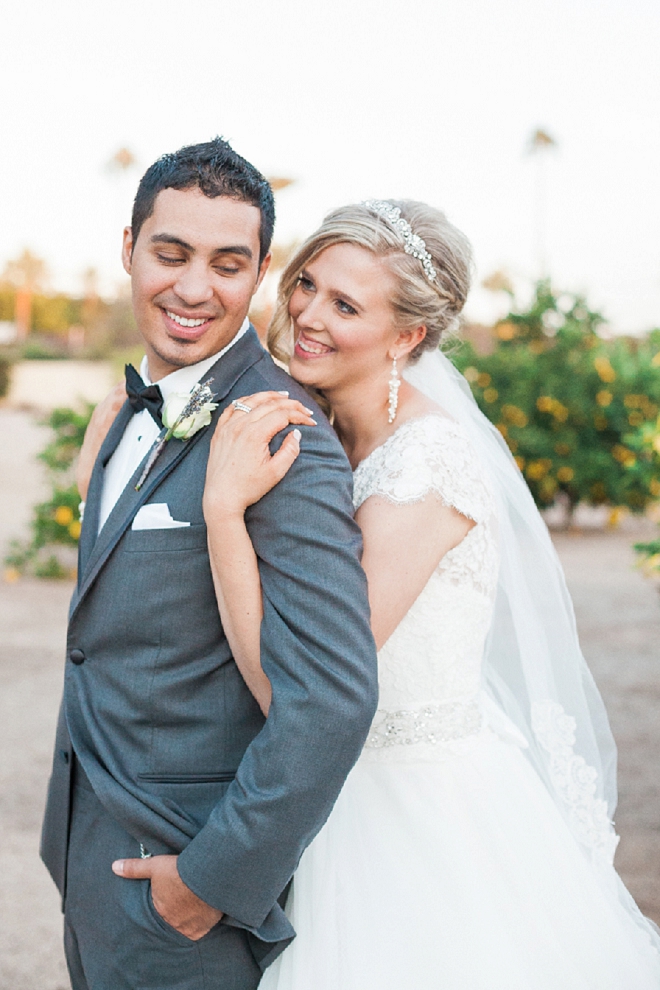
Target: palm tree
pixel 27 274
pixel 540 144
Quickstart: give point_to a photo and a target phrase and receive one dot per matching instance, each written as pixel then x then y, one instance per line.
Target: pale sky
pixel 421 99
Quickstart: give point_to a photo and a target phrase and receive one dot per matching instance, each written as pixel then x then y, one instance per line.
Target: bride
pixel 471 847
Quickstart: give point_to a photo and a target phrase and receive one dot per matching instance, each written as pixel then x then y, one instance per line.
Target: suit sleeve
pixel 319 654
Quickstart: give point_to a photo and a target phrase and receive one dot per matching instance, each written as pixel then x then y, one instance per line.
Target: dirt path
pixel 618 616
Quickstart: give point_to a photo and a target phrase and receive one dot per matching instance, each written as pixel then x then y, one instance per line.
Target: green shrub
pixel 56 522
pixel 570 403
pixel 5 371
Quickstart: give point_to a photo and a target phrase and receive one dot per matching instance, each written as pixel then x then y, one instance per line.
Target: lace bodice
pixel 430 667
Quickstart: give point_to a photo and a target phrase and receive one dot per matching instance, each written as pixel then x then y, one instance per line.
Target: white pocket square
pixel 156 515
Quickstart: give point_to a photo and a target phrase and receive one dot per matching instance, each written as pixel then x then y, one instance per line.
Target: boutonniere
pixel 184 414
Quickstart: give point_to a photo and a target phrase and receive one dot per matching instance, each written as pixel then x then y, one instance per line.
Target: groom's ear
pixel 263 268
pixel 127 249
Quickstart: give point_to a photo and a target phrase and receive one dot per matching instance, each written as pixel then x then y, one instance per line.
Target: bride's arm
pixel 102 419
pixel 239 451
pixel 403 545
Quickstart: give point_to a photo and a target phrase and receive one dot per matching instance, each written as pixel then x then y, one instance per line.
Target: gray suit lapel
pixel 93 504
pixel 95 552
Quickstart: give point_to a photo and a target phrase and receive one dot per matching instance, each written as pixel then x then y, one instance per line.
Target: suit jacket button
pixel 77 657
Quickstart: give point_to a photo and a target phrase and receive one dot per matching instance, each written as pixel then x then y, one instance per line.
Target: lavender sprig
pixel 199 397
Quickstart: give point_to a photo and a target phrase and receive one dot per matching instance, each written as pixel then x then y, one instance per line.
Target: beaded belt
pixel 431 724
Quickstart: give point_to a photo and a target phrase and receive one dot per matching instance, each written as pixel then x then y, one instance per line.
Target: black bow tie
pixel 143 396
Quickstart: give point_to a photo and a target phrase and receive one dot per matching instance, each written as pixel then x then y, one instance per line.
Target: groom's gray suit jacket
pixel 154 707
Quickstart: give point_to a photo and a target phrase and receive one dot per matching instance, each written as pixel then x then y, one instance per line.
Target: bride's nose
pixel 311 317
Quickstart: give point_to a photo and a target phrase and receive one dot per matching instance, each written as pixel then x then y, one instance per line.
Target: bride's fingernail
pixel 310 412
pixel 283 392
pixel 297 434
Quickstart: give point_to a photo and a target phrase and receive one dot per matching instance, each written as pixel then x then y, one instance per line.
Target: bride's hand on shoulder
pixel 102 419
pixel 241 468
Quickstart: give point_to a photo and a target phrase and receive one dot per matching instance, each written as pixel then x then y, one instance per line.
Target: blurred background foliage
pixel 579 410
pixel 51 550
pixel 57 325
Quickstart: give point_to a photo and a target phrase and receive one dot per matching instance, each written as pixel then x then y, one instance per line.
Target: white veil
pixel 536 681
pixel 534 671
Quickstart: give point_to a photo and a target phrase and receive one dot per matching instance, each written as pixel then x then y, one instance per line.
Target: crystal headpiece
pixel 412 243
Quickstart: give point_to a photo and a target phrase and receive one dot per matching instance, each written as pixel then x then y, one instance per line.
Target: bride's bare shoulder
pixel 416 405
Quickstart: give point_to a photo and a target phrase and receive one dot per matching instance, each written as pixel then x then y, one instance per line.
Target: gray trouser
pixel 114 938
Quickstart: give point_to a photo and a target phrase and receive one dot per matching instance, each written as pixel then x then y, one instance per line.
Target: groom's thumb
pixel 133 869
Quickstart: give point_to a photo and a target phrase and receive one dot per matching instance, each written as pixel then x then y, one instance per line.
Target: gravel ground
pixel 618 616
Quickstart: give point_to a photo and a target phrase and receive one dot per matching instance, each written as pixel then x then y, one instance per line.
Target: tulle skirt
pixel 457 874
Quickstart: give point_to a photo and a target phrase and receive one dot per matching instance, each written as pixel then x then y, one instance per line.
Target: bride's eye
pixel 346 308
pixel 305 283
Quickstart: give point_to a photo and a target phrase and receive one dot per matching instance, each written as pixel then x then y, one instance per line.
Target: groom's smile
pixel 186 327
pixel 194 268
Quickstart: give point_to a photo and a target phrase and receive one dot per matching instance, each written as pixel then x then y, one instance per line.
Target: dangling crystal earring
pixel 395 384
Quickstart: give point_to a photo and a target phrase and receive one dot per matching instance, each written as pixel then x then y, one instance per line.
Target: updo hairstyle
pixel 416 300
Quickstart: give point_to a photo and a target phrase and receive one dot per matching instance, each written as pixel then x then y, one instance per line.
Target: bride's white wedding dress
pixel 446 864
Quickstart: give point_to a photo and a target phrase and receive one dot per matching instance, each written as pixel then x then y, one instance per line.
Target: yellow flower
pixel 538 469
pixel 654 486
pixel 565 474
pixel 600 421
pixel 623 455
pixel 548 487
pixel 606 372
pixel 651 565
pixel 63 515
pixel 491 395
pixel 471 374
pixel 656 444
pixel 483 379
pixel 74 529
pixel 514 415
pixel 503 428
pixel 562 449
pixel 635 418
pixel 604 398
pixel 655 361
pixel 520 461
pixel 545 403
pixel 11 574
pixel 506 331
pixel 618 513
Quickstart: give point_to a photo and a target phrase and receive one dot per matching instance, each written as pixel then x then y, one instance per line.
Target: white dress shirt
pixel 142 430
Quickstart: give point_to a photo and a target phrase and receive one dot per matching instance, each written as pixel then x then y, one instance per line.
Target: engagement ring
pixel 237 404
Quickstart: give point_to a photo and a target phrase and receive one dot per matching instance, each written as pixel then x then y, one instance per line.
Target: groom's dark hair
pixel 216 170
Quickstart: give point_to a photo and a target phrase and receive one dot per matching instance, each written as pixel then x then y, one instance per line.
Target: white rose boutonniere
pixel 184 414
pixel 185 428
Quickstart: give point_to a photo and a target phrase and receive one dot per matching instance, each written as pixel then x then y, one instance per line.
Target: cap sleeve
pixel 427 455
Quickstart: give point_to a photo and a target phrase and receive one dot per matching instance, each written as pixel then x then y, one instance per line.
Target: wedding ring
pixel 237 404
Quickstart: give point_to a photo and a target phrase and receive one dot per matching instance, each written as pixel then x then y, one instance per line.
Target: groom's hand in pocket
pixel 174 901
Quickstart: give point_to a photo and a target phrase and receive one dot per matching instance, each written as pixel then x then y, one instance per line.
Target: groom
pixel 164 765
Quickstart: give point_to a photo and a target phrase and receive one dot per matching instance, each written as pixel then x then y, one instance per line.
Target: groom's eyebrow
pixel 241 249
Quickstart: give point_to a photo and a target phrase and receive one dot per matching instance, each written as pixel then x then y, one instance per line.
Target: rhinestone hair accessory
pixel 412 243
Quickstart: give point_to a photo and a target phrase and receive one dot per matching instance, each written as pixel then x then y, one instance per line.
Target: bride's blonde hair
pixel 416 300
